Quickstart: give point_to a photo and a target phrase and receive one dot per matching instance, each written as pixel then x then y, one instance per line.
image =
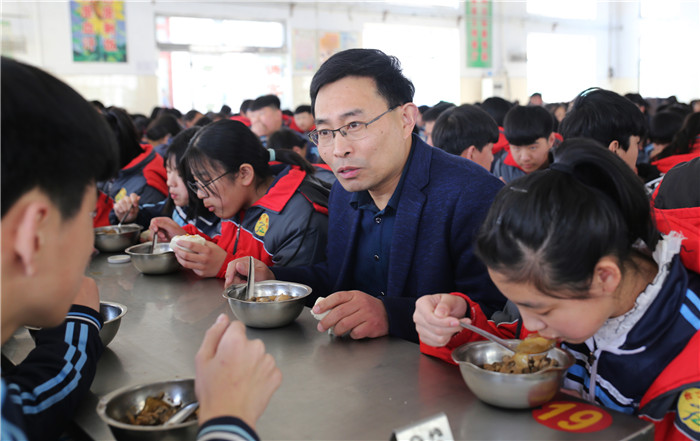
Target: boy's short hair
pixel 497 107
pixel 605 116
pixel 434 112
pixel 458 128
pixel 664 126
pixel 304 108
pixel 384 69
pixel 265 101
pixel 74 148
pixel 245 106
pixel 523 125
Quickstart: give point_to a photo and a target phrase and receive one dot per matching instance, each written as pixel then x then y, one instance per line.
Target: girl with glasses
pixel 182 204
pixel 279 219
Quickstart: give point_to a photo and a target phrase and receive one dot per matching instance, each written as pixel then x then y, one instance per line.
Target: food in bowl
pixel 271 314
pixel 514 391
pixel 111 239
pixel 181 241
pixel 521 363
pixel 156 411
pixel 273 298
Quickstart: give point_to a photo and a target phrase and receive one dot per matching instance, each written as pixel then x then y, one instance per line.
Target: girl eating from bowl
pixel 576 252
pixel 279 219
pixel 182 205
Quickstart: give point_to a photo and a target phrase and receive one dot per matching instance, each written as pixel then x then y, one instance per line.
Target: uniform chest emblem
pixel 689 409
pixel 262 225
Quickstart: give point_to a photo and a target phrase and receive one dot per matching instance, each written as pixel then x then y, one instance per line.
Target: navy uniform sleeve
pixel 226 428
pixel 41 394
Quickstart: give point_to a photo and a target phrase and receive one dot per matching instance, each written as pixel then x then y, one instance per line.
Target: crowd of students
pixel 405 219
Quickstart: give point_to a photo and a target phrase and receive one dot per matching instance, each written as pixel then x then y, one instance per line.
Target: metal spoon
pixel 250 287
pixel 510 345
pixel 121 221
pixel 153 242
pixel 182 414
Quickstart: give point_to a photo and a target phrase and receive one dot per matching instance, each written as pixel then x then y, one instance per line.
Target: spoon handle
pixel 251 278
pixel 487 335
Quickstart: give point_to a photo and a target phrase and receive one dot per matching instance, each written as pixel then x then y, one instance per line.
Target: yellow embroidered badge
pixel 262 225
pixel 689 408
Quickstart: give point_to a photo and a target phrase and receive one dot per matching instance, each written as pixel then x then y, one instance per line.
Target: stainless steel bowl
pixel 267 314
pixel 113 407
pixel 112 314
pixel 112 239
pixel 516 391
pixel 163 261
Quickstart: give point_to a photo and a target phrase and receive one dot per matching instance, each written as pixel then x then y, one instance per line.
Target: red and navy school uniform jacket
pixel 41 394
pixel 103 210
pixel 504 166
pixel 649 374
pixel 144 175
pixel 667 163
pixel 288 226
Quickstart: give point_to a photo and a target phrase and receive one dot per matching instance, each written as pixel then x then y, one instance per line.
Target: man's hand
pixel 234 376
pixel 437 318
pixel 237 271
pixel 353 312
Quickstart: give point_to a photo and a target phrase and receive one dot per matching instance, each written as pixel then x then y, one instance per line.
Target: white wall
pixel 44 29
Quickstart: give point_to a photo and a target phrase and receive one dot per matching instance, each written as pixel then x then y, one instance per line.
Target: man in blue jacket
pixel 402 215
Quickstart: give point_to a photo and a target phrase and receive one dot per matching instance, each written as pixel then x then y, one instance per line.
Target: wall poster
pixel 479 33
pixel 98 31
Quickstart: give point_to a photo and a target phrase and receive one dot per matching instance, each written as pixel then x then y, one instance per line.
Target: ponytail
pixel 292 158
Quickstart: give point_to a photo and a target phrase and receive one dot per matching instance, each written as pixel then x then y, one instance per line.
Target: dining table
pixel 333 388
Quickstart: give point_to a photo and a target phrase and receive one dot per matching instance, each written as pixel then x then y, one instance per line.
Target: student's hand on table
pixel 237 271
pixel 234 376
pixel 205 260
pixel 166 228
pixel 88 295
pixel 354 312
pixel 437 318
pixel 129 203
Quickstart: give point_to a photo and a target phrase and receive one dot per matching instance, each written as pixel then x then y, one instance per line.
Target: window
pixel 205 63
pixel 576 9
pixel 560 66
pixel 428 56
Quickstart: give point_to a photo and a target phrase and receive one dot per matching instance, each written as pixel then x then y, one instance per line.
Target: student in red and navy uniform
pixel 575 249
pixel 530 133
pixel 141 169
pixel 279 219
pixel 684 146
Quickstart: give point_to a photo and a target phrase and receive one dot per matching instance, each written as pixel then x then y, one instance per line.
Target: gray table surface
pixel 332 388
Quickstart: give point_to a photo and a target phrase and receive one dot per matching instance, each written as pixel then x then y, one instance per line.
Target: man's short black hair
pixel 497 107
pixel 523 125
pixel 384 69
pixel 265 101
pixel 605 116
pixel 434 112
pixel 459 128
pixel 74 149
pixel 304 108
